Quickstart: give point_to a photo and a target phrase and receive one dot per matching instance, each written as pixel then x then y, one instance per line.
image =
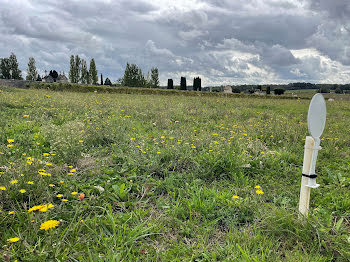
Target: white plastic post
pixel 304 190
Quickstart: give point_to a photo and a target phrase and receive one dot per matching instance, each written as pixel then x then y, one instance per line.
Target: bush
pixel 323 90
pixel 236 90
pixel 279 91
pixel 268 90
pixel 338 91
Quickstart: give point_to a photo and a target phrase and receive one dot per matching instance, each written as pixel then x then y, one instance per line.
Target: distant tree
pixel 323 90
pixel 338 90
pixel 108 82
pixel 77 69
pixel 170 84
pixel 183 85
pixel 71 75
pixel 84 79
pixel 133 76
pixel 93 72
pixel 5 70
pixel 15 72
pixel 236 89
pixel 31 70
pixel 197 84
pixel 54 74
pixel 38 78
pixel 154 77
pixel 259 87
pixel 101 80
pixel 279 91
pixel 268 90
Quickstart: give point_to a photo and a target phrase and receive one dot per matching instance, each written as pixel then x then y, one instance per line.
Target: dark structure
pixel 170 84
pixel 183 85
pixel 101 80
pixel 197 84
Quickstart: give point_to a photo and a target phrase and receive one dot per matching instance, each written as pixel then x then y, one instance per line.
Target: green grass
pixel 159 172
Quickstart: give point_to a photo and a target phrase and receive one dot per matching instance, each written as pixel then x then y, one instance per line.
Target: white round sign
pixel 316 118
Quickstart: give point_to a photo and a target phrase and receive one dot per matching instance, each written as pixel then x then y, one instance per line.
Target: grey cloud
pixel 337 9
pixel 222 41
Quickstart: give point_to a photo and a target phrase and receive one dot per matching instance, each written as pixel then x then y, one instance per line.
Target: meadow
pixel 128 177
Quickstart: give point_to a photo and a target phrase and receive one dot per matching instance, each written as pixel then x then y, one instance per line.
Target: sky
pixel 225 42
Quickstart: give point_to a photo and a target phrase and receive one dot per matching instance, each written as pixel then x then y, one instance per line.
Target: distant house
pixel 48 79
pixel 62 79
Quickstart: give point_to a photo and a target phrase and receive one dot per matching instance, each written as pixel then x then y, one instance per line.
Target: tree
pixel 197 84
pixel 54 74
pixel 31 71
pixel 279 91
pixel 15 72
pixel 93 72
pixel 268 90
pixel 38 78
pixel 154 78
pixel 133 76
pixel 183 85
pixel 72 70
pixel 323 90
pixel 170 84
pixel 84 72
pixel 108 82
pixel 338 90
pixel 101 80
pixel 5 70
pixel 77 69
pixel 236 89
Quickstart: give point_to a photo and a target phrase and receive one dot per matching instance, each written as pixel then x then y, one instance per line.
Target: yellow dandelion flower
pixel 25 115
pixel 70 174
pixel 61 182
pixel 13 240
pixel 11 212
pixel 2 188
pixel 49 224
pixel 74 193
pixel 48 164
pixel 59 195
pixel 158 153
pixel 70 166
pixel 51 185
pixel 14 181
pixel 235 197
pixel 9 145
pixel 259 192
pixel 30 182
pixel 81 141
pixel 22 191
pixel 257 187
pixel 73 170
pixel 64 200
pixel 10 140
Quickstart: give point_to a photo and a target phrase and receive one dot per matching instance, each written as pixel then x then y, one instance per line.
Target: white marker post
pixel 316 121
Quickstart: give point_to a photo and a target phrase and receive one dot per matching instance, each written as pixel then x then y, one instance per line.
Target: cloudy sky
pixel 222 41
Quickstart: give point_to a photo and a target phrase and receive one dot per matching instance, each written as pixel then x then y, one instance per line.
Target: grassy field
pixel 308 93
pixel 128 177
